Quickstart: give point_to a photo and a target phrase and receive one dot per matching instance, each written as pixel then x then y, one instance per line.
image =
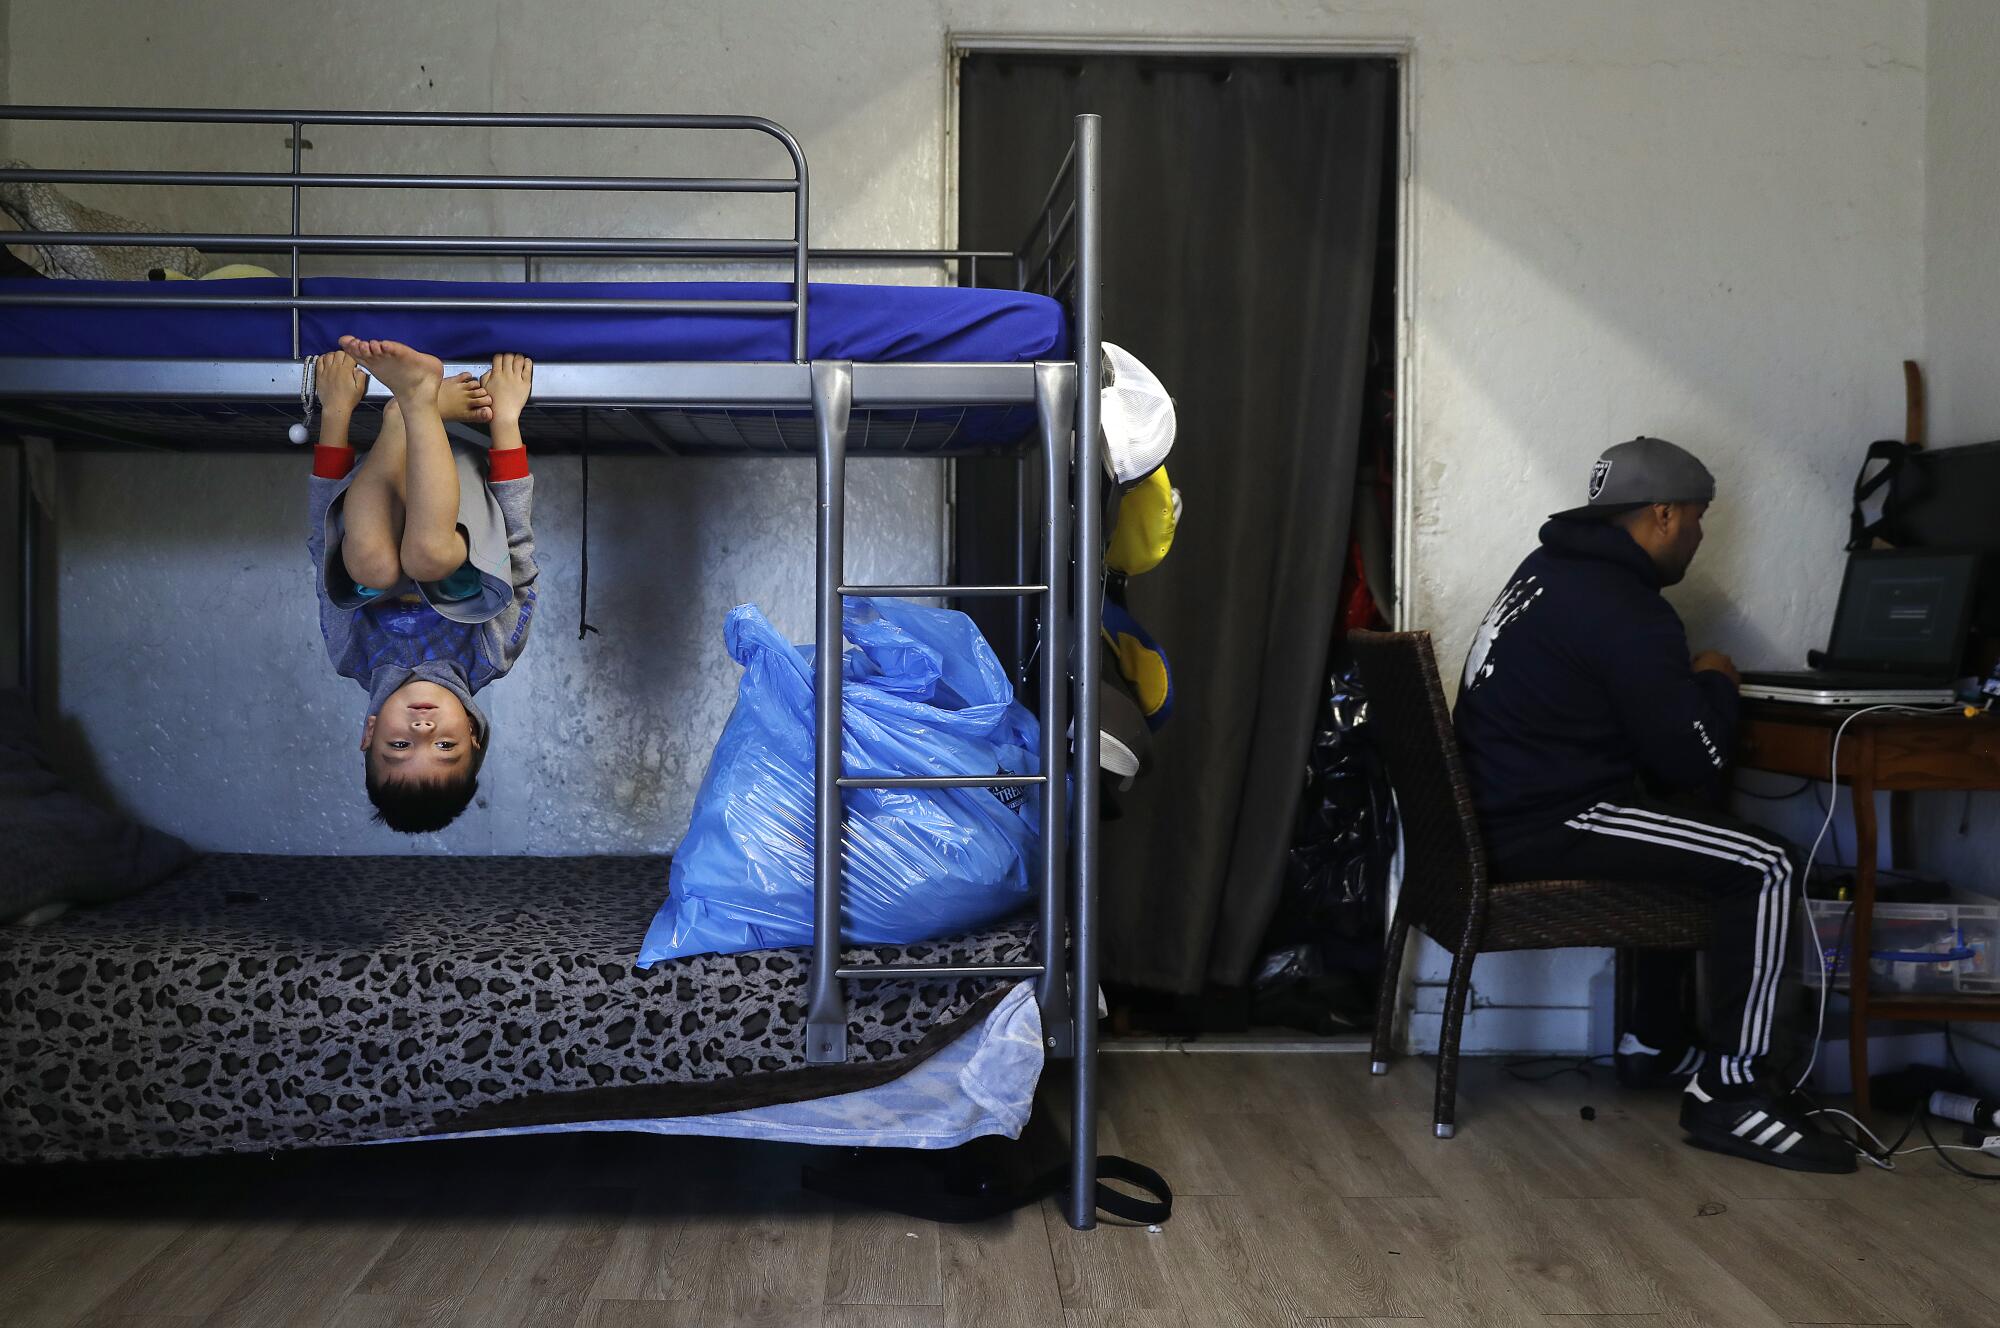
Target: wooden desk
pixel 1901 754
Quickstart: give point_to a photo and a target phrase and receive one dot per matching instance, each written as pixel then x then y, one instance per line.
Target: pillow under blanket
pixel 38 207
pixel 55 848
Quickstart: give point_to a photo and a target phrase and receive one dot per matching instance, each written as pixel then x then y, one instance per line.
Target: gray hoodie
pixel 387 641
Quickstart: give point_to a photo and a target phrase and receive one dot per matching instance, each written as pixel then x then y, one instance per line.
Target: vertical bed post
pixel 27 530
pixel 1088 608
pixel 1055 405
pixel 826 1015
pixel 1022 616
pixel 298 165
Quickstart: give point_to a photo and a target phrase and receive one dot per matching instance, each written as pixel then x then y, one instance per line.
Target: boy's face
pixel 421 733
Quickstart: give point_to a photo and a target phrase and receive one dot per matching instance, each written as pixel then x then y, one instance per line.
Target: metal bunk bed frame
pixel 1060 256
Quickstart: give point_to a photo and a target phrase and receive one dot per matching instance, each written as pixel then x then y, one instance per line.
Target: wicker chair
pixel 1445 889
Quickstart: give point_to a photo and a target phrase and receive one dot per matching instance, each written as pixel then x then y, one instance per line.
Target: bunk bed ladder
pixel 826 1019
pixel 1071 589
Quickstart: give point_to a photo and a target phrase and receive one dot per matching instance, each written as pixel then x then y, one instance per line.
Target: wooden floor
pixel 1308 1194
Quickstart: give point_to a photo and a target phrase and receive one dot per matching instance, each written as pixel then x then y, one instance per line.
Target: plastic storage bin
pixel 1933 949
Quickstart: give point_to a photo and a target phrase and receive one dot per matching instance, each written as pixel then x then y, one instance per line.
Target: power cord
pixel 1923 1119
pixel 1804 785
pixel 1564 1065
pixel 1825 826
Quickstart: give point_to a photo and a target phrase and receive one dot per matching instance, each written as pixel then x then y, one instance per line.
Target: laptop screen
pixel 1904 610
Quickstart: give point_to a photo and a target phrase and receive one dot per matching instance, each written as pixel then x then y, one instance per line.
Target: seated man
pixel 1577 686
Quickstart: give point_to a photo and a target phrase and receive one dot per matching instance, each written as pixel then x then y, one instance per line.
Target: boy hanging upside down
pixel 426 566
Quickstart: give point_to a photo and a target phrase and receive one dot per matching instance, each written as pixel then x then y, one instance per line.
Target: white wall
pixel 1962 329
pixel 1962 355
pixel 1701 220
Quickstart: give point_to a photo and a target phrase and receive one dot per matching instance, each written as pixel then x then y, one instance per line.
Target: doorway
pixel 1251 260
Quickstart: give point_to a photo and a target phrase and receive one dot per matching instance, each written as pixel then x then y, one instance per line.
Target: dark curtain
pixel 1241 204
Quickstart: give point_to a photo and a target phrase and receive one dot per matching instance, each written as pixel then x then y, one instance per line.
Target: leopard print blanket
pixel 255 1003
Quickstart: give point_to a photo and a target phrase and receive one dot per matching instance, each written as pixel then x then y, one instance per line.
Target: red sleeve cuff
pixel 511 464
pixel 332 463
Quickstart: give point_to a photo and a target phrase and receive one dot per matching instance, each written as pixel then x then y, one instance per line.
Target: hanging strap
pixel 1892 455
pixel 583 624
pixel 933 1194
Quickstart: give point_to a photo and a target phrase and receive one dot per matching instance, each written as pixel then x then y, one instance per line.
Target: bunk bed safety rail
pixel 298 180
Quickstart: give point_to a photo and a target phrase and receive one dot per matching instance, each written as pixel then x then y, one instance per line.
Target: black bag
pixel 1948 498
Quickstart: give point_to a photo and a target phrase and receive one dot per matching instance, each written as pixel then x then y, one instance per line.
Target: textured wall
pixel 1701 220
pixel 1962 333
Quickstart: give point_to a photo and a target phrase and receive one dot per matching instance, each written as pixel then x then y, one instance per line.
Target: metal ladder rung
pixel 941 971
pixel 941 781
pixel 943 592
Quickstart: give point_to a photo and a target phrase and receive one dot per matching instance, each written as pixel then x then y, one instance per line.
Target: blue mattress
pixel 945 324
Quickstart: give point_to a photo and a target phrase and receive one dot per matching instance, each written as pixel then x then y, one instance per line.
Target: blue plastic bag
pixel 923 694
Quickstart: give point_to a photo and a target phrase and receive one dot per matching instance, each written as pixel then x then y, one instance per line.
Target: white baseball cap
pixel 1137 417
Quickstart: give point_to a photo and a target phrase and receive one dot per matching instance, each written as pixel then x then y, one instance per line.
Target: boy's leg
pixel 432 546
pixel 372 518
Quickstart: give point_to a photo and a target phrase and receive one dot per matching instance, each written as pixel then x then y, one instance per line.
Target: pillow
pixel 227 272
pixel 59 849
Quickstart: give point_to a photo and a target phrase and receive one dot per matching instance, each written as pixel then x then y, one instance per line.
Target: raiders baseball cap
pixel 1645 470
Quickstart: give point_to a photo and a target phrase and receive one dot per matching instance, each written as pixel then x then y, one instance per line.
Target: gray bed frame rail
pixel 1059 257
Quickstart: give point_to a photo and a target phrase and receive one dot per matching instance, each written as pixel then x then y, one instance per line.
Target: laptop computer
pixel 1899 634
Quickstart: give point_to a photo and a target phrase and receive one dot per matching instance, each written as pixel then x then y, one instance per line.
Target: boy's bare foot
pixel 465 398
pixel 340 381
pixel 404 371
pixel 508 382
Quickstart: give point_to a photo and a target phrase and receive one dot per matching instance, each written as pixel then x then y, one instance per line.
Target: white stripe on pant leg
pixel 1700 837
pixel 1643 825
pixel 1730 846
pixel 1780 931
pixel 1705 829
pixel 1768 963
pixel 1760 997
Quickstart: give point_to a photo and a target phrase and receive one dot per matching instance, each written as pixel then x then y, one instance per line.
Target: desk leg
pixel 1902 841
pixel 1861 791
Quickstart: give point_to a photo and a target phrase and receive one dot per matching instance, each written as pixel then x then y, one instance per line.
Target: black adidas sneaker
pixel 1641 1066
pixel 1763 1127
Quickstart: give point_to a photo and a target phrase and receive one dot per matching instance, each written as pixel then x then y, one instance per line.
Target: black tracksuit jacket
pixel 1579 685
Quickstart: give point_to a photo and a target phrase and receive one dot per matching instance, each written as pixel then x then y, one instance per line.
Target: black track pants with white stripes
pixel 1752 875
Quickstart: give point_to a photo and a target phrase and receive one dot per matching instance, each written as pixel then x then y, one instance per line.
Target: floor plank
pixel 643 1263
pixel 309 1274
pixel 1447 1264
pixel 1787 1271
pixel 207 1263
pixel 370 1311
pixel 883 1259
pixel 541 1274
pixel 1902 1276
pixel 442 1250
pixel 70 1266
pixel 884 1316
pixel 1695 1288
pixel 999 1273
pixel 677 1314
pixel 765 1253
pixel 1124 1319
